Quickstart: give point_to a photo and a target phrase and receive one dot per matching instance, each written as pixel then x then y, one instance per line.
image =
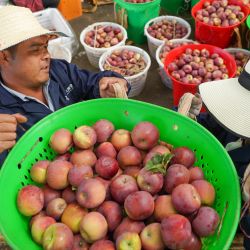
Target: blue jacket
pixel 68 85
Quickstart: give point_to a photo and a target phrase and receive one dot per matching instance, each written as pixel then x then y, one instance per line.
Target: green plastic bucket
pixel 194 2
pixel 175 7
pixel 136 16
pixel 248 33
pixel 174 128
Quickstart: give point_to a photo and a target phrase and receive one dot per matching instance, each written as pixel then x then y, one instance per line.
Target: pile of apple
pixel 167 30
pixel 220 13
pixel 168 46
pixel 103 36
pixel 241 59
pixel 118 190
pixel 125 62
pixel 138 1
pixel 196 66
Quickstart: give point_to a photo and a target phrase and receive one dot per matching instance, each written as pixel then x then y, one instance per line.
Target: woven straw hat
pixel 229 102
pixel 18 24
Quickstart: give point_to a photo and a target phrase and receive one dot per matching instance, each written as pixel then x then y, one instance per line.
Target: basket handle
pixel 120 91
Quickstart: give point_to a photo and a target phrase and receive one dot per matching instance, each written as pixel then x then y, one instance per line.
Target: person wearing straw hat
pixel 31 84
pixel 228 118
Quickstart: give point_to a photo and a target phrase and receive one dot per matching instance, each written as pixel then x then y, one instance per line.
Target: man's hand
pixel 106 86
pixel 8 126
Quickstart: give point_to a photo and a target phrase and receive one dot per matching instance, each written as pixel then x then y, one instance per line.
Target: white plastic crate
pixel 52 19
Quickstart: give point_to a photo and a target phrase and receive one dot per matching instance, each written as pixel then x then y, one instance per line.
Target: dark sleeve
pixel 86 82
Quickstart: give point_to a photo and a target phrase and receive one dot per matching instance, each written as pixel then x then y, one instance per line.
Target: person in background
pixel 32 85
pixel 228 118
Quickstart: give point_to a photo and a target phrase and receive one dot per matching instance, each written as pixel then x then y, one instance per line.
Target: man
pixel 228 118
pixel 31 84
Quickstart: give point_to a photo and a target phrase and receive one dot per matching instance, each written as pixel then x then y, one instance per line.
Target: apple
pixel 39 226
pixel 145 135
pixel 194 244
pixel 132 171
pixel 93 227
pixel 122 186
pixel 128 225
pixel 106 184
pixel 128 240
pixel 129 156
pixel 106 167
pixel 184 156
pixel 121 138
pixel 103 245
pixel 112 213
pixel 78 173
pixel 72 216
pixel 139 205
pixel 50 194
pixel 64 157
pixel 91 193
pixel 151 238
pixel 34 217
pixel 106 149
pixel 195 174
pixel 80 243
pixel 83 157
pixel 163 207
pixel 61 141
pixel 38 171
pixel 57 174
pixel 103 129
pixel 58 236
pixel 69 195
pixel 149 181
pixel 55 208
pixel 30 200
pixel 84 137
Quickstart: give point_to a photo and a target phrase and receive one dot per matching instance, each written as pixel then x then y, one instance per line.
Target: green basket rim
pixel 153 106
pixel 133 6
pixel 248 22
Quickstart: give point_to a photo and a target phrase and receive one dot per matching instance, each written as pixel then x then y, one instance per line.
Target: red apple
pixel 122 186
pixel 38 171
pixel 106 184
pixel 176 231
pixel 64 157
pixel 83 157
pixel 151 238
pixel 69 195
pixel 50 194
pixel 128 225
pixel 145 135
pixel 34 217
pixel 106 149
pixel 184 156
pixel 132 171
pixel 163 207
pixel 149 181
pixel 112 213
pixel 106 167
pixel 84 137
pixel 90 193
pixel 61 141
pixel 78 173
pixel 58 236
pixel 128 240
pixel 30 200
pixel 103 129
pixel 196 174
pixel 93 227
pixel 80 243
pixel 55 208
pixel 57 174
pixel 72 216
pixel 39 226
pixel 129 156
pixel 103 244
pixel 194 244
pixel 121 138
pixel 139 205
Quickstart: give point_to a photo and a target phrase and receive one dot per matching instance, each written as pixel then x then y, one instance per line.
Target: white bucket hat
pixel 229 102
pixel 18 24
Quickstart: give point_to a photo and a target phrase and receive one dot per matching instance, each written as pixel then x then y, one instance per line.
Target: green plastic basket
pixel 137 16
pixel 174 128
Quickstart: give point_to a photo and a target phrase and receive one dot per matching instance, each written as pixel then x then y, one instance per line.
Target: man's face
pixel 30 63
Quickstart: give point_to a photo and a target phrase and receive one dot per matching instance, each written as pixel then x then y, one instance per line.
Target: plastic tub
pixel 174 128
pixel 217 36
pixel 94 54
pixel 134 17
pixel 52 19
pixel 232 51
pixel 137 81
pixel 154 43
pixel 194 2
pixel 180 88
pixel 173 7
